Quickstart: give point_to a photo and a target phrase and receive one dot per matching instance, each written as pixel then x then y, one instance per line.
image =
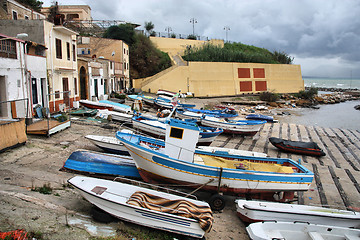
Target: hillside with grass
pixel 236 52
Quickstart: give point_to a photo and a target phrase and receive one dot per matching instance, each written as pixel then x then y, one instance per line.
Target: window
pixel 176 132
pixel 68 50
pixel 14 13
pixel 110 65
pixel 75 86
pixel 245 86
pixel 58 48
pixel 124 50
pixel 260 86
pixel 259 73
pixel 127 66
pixel 26 17
pixel 8 48
pixel 243 72
pixel 74 53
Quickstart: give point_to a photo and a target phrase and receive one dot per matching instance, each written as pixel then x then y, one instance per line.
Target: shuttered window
pixel 58 48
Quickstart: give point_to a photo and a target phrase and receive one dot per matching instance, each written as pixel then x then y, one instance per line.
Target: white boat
pixel 115 116
pixel 255 211
pixel 117 106
pixel 299 231
pixel 157 128
pixel 180 163
pixel 108 144
pixel 243 127
pixel 147 207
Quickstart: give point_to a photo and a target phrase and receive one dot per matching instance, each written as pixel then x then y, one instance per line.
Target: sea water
pixel 339 115
pixel 344 83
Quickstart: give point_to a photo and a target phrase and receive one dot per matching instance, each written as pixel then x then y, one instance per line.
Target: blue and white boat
pixel 179 163
pixel 157 128
pixel 242 127
pixel 117 106
pixel 101 163
pixel 260 117
pixel 167 103
pixel 108 144
pixel 223 113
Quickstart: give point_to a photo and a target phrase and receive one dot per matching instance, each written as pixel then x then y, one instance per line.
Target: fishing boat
pixel 101 163
pixel 298 147
pixel 256 211
pixel 108 144
pixel 117 106
pixel 96 105
pixel 231 151
pixel 225 107
pixel 242 127
pixel 169 104
pixel 84 112
pixel 299 230
pixel 179 163
pixel 260 117
pixel 157 128
pixel 115 116
pixel 136 202
pixel 224 113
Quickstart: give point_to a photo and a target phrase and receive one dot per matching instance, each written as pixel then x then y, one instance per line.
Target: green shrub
pixel 268 97
pixel 307 94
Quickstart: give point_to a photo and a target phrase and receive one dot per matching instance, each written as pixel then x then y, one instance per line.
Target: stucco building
pixel 11 9
pixel 71 12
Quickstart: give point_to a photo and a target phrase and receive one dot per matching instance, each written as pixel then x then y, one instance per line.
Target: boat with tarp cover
pixel 298 147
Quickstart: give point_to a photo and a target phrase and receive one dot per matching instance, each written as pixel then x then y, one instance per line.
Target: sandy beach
pixel 64 214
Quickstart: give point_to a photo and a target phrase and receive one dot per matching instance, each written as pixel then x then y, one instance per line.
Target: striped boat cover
pixel 180 207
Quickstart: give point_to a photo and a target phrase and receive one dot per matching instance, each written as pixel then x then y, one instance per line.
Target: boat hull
pixel 309 148
pixel 108 144
pixel 258 211
pixel 95 105
pixel 100 163
pixel 299 230
pixel 116 205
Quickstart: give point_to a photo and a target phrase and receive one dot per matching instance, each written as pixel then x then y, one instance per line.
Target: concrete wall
pixel 223 79
pixel 34 29
pixel 175 46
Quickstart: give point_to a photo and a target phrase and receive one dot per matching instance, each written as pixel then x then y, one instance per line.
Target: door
pixel 96 88
pixel 34 91
pixel 3 97
pixel 83 85
pixel 65 89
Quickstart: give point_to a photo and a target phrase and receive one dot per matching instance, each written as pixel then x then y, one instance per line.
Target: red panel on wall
pixel 259 73
pixel 245 86
pixel 243 72
pixel 260 86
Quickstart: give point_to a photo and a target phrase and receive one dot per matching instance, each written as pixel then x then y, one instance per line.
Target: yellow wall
pixel 221 79
pixel 176 46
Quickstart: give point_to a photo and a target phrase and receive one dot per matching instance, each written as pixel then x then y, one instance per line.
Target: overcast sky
pixel 323 36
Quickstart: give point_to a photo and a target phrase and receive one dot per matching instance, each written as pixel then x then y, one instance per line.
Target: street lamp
pixel 168 29
pixel 193 21
pixel 226 28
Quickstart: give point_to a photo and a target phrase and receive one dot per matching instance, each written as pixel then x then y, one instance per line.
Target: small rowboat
pixel 299 230
pixel 260 117
pixel 298 147
pixel 256 211
pixel 96 105
pixel 136 202
pixel 108 144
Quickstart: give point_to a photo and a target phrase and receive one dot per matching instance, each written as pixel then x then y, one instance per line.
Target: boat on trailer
pixel 157 128
pixel 91 162
pixel 242 127
pixel 299 230
pixel 180 163
pixel 298 147
pixel 147 205
pixel 257 211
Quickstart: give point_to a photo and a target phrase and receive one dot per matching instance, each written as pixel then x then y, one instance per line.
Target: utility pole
pixel 193 21
pixel 226 28
pixel 168 29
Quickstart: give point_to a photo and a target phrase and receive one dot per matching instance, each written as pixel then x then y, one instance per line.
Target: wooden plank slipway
pixel 43 127
pixel 336 181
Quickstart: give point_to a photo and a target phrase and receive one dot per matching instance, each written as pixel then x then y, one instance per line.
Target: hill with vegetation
pixel 235 52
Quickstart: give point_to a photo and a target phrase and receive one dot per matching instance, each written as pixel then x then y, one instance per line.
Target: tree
pixel 149 26
pixel 123 32
pixel 33 4
pixel 192 37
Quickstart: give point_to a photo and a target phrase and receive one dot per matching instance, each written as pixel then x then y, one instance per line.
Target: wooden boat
pixel 299 230
pixel 101 163
pixel 298 147
pixel 141 205
pixel 256 211
pixel 117 106
pixel 157 128
pixel 225 113
pixel 260 117
pixel 215 172
pixel 108 144
pixel 166 103
pixel 96 105
pixel 242 127
pixel 115 116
